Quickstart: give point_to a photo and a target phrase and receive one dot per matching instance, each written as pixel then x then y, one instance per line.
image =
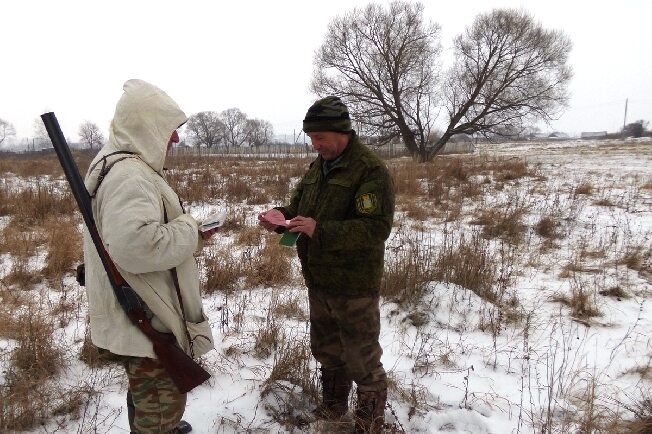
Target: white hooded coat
pixel 129 214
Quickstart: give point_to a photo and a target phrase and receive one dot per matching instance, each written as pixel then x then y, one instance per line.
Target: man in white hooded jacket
pixel 147 234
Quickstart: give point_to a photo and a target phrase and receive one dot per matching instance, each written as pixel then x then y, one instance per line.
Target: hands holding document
pixel 273 219
pixel 212 224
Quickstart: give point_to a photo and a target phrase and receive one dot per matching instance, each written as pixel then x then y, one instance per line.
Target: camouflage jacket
pixel 353 206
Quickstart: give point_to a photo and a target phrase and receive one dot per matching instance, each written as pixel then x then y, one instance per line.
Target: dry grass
pixel 27 392
pixel 291 389
pixel 506 223
pixel 604 202
pixel 584 188
pixel 63 246
pixel 547 227
pixel 270 265
pixel 266 338
pixel 222 273
pixel 446 188
pixel 636 258
pixel 407 273
pixel 469 262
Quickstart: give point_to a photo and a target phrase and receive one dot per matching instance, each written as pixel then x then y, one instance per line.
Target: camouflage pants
pixel 154 403
pixel 344 333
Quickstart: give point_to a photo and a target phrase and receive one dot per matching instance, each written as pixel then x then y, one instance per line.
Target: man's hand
pixel 303 224
pixel 209 233
pixel 270 214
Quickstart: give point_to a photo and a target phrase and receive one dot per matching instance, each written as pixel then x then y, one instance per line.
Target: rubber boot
pixel 370 412
pixel 336 386
pixel 182 427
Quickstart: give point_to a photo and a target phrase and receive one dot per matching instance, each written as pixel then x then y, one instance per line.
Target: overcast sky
pixel 72 57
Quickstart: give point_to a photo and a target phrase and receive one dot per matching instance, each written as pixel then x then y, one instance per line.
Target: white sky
pixel 72 57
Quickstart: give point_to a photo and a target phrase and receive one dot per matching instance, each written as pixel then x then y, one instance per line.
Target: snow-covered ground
pixel 456 363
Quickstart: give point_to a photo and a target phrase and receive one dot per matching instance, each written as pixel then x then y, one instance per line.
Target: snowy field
pixel 551 334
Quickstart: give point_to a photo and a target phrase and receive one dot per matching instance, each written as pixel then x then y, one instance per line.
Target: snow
pixel 450 373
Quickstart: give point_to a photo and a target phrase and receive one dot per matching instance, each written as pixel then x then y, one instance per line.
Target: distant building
pixel 593 134
pixel 558 135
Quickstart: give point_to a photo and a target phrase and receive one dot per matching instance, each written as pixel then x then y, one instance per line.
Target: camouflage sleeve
pixel 290 210
pixel 372 219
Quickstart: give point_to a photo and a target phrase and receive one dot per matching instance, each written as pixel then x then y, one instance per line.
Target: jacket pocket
pixel 201 336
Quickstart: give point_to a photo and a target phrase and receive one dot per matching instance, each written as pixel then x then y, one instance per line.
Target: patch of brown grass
pixel 64 248
pixel 505 224
pixel 508 170
pixel 547 227
pixel 40 201
pixel 407 273
pixel 604 202
pixel 222 273
pixel 581 302
pixel 249 236
pixel 289 308
pixel 468 262
pixel 266 339
pixel 271 265
pixel 584 188
pixel 615 291
pixel 635 258
pixel 292 384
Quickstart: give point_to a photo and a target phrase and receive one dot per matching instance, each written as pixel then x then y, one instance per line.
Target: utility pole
pixel 625 119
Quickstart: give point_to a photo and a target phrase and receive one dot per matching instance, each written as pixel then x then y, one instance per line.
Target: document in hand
pixel 213 221
pixel 275 217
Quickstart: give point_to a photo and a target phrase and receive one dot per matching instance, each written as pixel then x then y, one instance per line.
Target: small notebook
pixel 289 239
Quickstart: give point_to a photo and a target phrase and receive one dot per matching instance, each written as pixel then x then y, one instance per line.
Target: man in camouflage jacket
pixel 344 208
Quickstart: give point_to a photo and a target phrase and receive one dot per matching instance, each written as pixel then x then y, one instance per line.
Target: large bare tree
pixel 509 72
pixel 205 128
pixel 6 130
pixel 90 135
pixel 383 63
pixel 235 131
pixel 259 132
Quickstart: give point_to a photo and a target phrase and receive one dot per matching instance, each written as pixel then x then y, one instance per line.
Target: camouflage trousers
pixel 344 334
pixel 154 403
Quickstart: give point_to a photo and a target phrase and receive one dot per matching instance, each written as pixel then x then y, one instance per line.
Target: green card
pixel 289 239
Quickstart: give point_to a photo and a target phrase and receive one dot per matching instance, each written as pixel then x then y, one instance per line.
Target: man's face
pixel 328 144
pixel 174 138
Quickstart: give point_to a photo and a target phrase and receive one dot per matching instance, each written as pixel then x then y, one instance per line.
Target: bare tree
pixel 90 135
pixel 41 136
pixel 259 132
pixel 383 63
pixel 235 131
pixel 509 72
pixel 6 130
pixel 205 128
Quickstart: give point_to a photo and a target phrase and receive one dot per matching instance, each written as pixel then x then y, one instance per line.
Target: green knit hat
pixel 327 114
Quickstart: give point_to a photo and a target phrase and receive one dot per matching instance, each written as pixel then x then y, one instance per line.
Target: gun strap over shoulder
pixel 105 169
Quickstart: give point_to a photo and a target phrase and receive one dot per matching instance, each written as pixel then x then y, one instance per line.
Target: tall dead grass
pixel 63 247
pixel 28 391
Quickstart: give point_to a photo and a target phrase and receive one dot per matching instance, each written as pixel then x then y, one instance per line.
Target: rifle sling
pixel 105 169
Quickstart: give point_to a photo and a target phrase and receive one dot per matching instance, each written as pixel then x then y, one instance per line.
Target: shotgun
pixel 184 371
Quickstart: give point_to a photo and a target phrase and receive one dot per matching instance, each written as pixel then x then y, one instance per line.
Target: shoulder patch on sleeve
pixel 366 203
